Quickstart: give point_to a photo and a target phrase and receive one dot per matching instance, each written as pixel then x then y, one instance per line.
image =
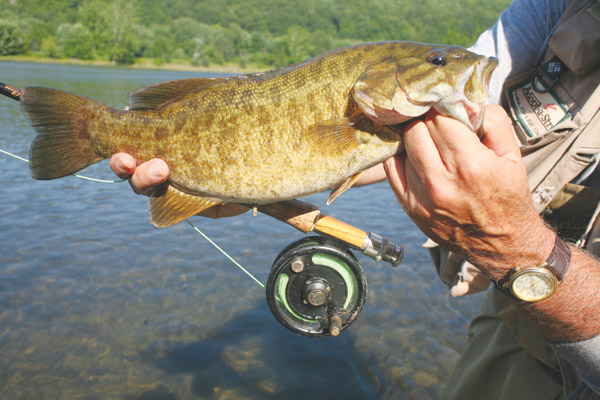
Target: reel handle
pixel 307 218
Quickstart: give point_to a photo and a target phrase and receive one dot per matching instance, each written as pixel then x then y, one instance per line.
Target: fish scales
pixel 266 137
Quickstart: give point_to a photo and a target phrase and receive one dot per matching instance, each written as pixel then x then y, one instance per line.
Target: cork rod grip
pixel 307 218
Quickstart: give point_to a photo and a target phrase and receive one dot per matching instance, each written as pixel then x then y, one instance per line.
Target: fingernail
pixel 124 164
pixel 157 171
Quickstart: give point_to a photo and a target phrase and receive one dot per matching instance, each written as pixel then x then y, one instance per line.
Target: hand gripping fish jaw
pixel 316 286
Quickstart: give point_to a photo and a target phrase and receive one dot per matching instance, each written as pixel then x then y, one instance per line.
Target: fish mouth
pixel 475 106
pixel 486 74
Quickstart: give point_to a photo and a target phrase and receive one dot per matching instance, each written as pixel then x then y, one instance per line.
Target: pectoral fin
pixel 332 136
pixel 172 206
pixel 347 184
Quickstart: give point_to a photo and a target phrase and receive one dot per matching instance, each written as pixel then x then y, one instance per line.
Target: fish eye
pixel 437 59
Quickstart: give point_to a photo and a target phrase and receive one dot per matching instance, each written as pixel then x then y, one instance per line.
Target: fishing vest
pixel 555 109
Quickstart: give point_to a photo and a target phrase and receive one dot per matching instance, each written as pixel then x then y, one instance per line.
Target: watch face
pixel 533 284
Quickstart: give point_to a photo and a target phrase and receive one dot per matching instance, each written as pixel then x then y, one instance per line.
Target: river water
pixel 96 303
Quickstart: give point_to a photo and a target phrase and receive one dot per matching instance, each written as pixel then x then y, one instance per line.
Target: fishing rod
pixel 10 91
pixel 316 286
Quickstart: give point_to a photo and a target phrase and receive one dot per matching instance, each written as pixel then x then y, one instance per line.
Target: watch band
pixel 559 260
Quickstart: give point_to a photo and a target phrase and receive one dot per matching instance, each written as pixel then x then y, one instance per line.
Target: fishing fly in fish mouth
pixel 266 137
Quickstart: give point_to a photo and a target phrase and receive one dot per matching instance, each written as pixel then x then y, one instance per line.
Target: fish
pixel 265 137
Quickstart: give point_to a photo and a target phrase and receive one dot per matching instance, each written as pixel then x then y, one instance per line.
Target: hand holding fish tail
pixel 144 178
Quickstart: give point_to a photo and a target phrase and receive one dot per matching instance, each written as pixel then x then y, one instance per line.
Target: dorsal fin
pixel 154 96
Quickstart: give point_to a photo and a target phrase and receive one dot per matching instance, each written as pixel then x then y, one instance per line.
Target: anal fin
pixel 172 206
pixel 347 184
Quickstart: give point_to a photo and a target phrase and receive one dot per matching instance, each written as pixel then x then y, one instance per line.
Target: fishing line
pixel 75 175
pixel 192 225
pixel 224 253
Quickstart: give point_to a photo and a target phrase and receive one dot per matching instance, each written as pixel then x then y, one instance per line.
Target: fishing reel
pixel 316 287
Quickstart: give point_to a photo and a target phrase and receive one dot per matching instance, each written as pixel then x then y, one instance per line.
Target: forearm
pixel 571 313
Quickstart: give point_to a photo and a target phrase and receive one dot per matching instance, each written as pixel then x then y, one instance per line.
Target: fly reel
pixel 316 287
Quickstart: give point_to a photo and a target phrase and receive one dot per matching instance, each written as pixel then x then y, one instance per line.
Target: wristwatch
pixel 533 283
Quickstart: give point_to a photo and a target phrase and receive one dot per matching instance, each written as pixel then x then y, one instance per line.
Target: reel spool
pixel 316 288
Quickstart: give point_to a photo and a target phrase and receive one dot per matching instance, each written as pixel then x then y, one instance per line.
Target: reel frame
pixel 316 287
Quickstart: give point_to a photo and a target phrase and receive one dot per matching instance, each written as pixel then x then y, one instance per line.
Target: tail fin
pixel 62 146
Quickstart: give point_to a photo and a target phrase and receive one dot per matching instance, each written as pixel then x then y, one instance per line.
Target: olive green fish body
pixel 266 137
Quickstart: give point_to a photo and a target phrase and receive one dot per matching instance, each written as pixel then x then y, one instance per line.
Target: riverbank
pixel 145 63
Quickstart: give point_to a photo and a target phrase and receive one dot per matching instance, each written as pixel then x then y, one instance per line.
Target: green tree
pixel 121 17
pixel 49 47
pixel 185 33
pixel 300 44
pixel 12 40
pixel 36 30
pixel 75 41
pixel 162 44
pixel 93 15
pixel 266 32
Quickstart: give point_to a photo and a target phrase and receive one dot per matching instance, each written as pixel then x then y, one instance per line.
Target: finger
pixel 122 164
pixel 394 170
pixel 452 138
pixel 499 135
pixel 372 175
pixel 406 185
pixel 421 150
pixel 149 175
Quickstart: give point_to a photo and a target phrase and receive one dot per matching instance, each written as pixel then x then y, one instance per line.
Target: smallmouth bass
pixel 265 137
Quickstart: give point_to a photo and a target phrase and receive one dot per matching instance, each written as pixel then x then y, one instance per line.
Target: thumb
pixel 499 135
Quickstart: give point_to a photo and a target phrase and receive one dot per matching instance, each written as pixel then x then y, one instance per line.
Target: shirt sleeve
pixel 585 357
pixel 518 39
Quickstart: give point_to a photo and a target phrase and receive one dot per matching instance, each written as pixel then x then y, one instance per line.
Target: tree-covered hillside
pixel 204 32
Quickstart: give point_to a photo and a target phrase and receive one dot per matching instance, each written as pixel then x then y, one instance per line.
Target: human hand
pixel 469 196
pixel 147 177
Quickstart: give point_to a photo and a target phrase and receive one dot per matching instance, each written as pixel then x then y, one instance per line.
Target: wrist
pixel 536 282
pixel 531 244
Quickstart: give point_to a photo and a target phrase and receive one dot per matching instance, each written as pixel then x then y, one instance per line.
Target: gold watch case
pixel 532 284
